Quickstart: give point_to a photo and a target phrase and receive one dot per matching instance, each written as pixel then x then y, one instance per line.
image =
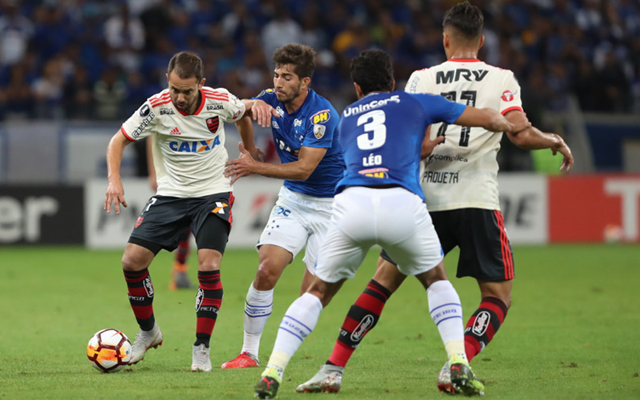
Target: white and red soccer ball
pixel 109 350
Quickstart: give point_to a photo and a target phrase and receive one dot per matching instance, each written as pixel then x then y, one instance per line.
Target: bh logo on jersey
pixel 194 147
pixel 320 117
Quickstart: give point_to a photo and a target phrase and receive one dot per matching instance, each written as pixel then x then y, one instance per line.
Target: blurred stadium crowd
pixel 95 59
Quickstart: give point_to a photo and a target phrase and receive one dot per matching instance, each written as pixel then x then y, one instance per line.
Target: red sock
pixel 362 317
pixel 483 325
pixel 182 252
pixel 141 297
pixel 208 302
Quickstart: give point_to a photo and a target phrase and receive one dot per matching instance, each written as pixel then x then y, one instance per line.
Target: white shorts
pixel 393 218
pixel 298 220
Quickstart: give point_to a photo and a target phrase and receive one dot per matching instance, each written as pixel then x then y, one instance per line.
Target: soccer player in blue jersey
pixel 304 130
pixel 380 201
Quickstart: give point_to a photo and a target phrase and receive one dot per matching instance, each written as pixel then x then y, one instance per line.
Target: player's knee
pixel 131 262
pixel 267 275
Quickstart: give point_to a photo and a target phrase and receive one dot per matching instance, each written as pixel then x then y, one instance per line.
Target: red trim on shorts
pixel 507 257
pixel 125 134
pixel 506 110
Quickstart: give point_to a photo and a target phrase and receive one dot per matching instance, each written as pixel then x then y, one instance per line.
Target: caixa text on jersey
pixel 194 147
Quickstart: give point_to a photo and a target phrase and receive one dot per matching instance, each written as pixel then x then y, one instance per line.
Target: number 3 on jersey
pixel 373 121
pixel 469 97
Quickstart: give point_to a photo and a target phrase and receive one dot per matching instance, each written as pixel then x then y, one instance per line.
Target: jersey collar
pixel 464 60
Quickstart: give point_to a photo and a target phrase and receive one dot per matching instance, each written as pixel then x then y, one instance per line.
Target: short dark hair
pixel 186 64
pixel 467 19
pixel 302 57
pixel 372 70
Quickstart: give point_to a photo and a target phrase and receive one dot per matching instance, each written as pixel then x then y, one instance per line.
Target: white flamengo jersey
pixel 188 150
pixel 462 172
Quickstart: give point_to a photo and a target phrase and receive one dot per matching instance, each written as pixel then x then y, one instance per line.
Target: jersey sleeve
pixel 418 82
pixel 141 124
pixel 510 98
pixel 439 109
pixel 234 109
pixel 321 128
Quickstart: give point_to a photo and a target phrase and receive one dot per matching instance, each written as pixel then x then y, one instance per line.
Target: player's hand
pixel 562 148
pixel 257 154
pixel 262 113
pixel 115 195
pixel 428 145
pixel 241 166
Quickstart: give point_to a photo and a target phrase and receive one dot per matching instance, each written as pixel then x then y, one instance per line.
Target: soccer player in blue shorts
pixel 304 131
pixel 381 135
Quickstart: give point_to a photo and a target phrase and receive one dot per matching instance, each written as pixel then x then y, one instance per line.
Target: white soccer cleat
pixel 143 342
pixel 327 380
pixel 444 380
pixel 200 360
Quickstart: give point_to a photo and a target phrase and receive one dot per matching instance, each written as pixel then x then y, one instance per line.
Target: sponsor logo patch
pixel 482 323
pixel 363 327
pixel 508 95
pixel 194 147
pixel 148 286
pixel 199 299
pixel 320 117
pixel 214 107
pixel 319 130
pixel 167 111
pixel 145 110
pixel 145 122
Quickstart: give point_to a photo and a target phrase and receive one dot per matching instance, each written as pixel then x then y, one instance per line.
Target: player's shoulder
pixel 159 99
pixel 217 94
pixel 318 103
pixel 266 94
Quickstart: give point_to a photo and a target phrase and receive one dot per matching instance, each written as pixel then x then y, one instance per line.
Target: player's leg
pixel 282 239
pixel 179 273
pixel 487 319
pixel 485 254
pixel 212 240
pixel 338 260
pixel 361 318
pixel 159 226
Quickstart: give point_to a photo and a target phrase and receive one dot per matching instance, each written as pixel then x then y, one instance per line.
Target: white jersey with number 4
pixel 188 150
pixel 462 172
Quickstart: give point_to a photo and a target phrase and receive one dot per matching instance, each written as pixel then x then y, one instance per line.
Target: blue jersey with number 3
pixel 381 136
pixel 314 124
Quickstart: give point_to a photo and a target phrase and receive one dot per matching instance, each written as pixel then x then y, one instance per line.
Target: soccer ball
pixel 109 350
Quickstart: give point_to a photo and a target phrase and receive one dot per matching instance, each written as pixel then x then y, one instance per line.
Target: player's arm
pixel 115 190
pixel 490 120
pixel 260 111
pixel 308 160
pixel 245 129
pixel 532 138
pixel 153 181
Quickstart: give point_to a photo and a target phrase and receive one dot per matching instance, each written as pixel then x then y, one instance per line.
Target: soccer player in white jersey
pixel 460 180
pixel 303 124
pixel 187 123
pixel 381 135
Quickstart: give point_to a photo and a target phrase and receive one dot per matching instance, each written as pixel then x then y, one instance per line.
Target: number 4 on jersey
pixel 469 96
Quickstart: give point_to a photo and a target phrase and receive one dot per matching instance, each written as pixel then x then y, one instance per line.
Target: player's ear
pixel 393 84
pixel 446 40
pixel 481 42
pixel 358 90
pixel 306 81
pixel 201 84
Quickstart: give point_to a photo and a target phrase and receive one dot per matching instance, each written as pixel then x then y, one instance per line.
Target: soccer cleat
pixel 179 277
pixel 144 341
pixel 200 360
pixel 463 379
pixel 327 380
pixel 444 380
pixel 244 360
pixel 267 386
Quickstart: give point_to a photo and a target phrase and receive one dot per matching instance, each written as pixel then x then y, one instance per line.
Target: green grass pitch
pixel 573 331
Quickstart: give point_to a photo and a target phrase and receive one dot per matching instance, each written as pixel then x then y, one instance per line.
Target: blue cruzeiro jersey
pixel 314 124
pixel 382 133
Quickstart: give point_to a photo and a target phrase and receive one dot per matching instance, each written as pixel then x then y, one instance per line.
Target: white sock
pixel 297 323
pixel 446 312
pixel 257 309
